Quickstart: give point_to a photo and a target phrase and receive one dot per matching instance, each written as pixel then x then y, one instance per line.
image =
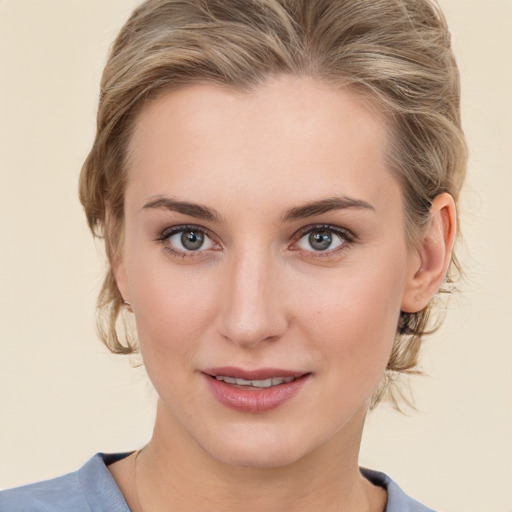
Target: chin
pixel 256 451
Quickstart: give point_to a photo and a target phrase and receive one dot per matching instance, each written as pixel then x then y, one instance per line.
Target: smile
pixel 254 391
pixel 265 383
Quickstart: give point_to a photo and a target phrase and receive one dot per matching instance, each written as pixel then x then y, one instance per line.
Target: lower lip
pixel 254 400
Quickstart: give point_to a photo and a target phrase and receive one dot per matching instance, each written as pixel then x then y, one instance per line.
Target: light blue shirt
pixel 93 489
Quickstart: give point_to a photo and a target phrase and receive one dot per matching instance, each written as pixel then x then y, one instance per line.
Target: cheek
pixel 355 319
pixel 173 307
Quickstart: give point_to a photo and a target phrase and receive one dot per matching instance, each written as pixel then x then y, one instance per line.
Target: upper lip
pixel 255 374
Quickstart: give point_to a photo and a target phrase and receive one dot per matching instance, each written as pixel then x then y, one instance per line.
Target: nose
pixel 254 302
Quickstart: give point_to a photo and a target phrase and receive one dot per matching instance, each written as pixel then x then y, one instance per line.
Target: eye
pixel 185 240
pixel 190 240
pixel 323 239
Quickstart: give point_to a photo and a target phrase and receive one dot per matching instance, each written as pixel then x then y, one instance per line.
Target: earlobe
pixel 432 259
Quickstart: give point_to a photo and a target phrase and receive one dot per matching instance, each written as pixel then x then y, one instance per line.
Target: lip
pixel 257 374
pixel 254 400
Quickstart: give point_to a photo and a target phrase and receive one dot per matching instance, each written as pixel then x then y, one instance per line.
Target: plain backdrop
pixel 64 398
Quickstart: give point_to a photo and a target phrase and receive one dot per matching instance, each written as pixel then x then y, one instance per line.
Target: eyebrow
pixel 324 206
pixel 299 212
pixel 192 209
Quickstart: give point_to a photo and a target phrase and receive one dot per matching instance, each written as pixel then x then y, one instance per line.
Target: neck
pixel 173 469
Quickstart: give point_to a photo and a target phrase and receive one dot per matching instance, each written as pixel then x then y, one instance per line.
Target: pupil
pixel 320 240
pixel 192 240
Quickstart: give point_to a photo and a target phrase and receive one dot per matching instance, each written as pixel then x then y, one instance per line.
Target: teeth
pixel 243 382
pixel 279 380
pixel 266 383
pixel 262 383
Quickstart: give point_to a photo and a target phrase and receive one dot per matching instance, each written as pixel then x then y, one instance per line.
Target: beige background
pixel 63 398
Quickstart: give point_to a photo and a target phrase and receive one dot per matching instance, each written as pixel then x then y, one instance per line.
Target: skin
pixel 258 295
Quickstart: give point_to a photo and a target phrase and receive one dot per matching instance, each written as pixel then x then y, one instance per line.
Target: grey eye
pixel 192 240
pixel 320 240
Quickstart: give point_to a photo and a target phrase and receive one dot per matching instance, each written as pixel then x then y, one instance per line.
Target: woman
pixel 276 184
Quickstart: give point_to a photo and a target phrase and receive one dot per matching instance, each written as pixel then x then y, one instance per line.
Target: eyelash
pixel 347 239
pixel 168 232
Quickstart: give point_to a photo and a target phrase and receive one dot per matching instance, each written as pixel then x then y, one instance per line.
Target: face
pixel 264 242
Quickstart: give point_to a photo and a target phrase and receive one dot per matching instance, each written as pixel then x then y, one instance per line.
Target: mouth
pixel 261 378
pixel 254 391
pixel 265 383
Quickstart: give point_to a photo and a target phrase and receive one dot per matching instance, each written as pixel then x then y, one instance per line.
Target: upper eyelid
pixel 172 230
pixel 347 233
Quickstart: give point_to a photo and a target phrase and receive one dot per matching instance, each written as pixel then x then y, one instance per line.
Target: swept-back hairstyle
pixel 397 53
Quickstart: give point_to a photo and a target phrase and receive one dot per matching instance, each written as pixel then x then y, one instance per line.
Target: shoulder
pixel 398 501
pixel 57 494
pixel 91 488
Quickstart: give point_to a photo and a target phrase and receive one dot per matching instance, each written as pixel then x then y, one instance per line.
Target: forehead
pixel 289 134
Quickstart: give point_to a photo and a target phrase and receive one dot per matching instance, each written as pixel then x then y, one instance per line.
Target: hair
pixel 397 53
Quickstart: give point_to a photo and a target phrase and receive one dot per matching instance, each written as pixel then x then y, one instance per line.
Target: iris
pixel 320 240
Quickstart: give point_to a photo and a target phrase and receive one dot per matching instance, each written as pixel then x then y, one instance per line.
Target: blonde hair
pixel 396 52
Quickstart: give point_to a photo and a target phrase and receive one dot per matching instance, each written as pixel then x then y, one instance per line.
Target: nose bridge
pixel 252 311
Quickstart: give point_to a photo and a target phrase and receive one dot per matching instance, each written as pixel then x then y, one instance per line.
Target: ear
pixel 116 252
pixel 120 275
pixel 429 263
